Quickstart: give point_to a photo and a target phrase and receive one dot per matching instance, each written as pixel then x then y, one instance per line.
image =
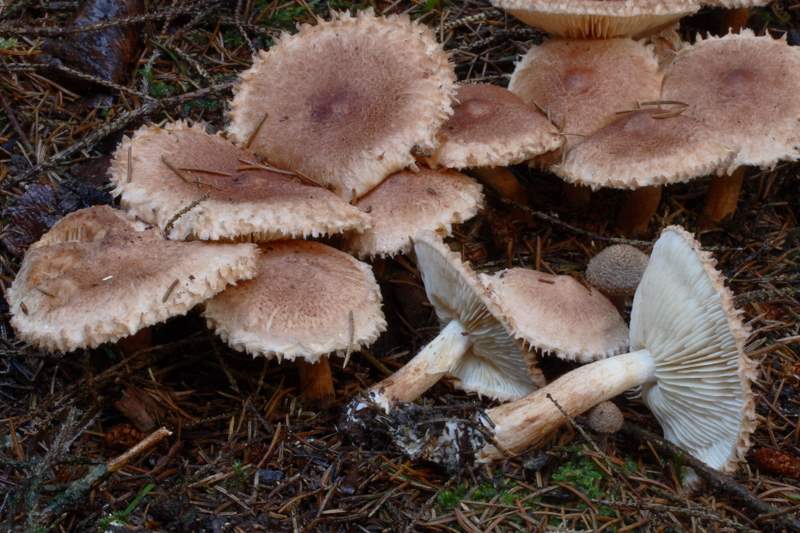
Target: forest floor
pixel 245 453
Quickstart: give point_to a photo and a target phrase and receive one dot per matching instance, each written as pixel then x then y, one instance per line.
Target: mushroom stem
pixel 576 195
pixel 734 20
pixel 436 359
pixel 141 340
pixel 722 197
pixel 504 182
pixel 316 382
pixel 525 422
pixel 639 207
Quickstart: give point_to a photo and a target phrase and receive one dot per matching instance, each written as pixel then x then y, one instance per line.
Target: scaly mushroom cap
pixel 605 417
pixel 598 19
pixel 558 315
pixel 684 316
pixel 639 149
pixel 237 198
pixel 307 300
pixel 580 85
pixel 98 276
pixel 492 127
pixel 745 88
pixel 617 269
pixel 346 101
pixel 496 365
pixel 732 4
pixel 407 203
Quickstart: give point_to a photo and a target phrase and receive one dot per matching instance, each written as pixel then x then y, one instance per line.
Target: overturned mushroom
pixel 688 353
pixel 723 79
pixel 346 101
pixel 198 185
pixel 407 203
pixel 98 276
pixel 598 19
pixel 474 346
pixel 307 301
pixel 616 271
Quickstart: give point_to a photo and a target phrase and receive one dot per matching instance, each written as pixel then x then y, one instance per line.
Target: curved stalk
pixel 638 209
pixel 722 197
pixel 436 359
pixel 523 423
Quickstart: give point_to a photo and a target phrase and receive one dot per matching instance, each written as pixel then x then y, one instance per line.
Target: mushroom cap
pixel 98 276
pixel 490 127
pixel 745 89
pixel 306 301
pixel 617 269
pixel 605 417
pixel 580 85
pixel 684 316
pixel 730 4
pixel 495 365
pixel 346 101
pixel 253 203
pixel 407 203
pixel 558 315
pixel 598 19
pixel 639 149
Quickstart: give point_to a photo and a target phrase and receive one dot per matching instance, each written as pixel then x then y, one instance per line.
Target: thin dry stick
pixel 718 481
pixel 183 211
pixel 105 130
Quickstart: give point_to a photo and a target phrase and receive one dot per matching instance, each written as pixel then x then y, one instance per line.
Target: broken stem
pixel 525 422
pixel 436 359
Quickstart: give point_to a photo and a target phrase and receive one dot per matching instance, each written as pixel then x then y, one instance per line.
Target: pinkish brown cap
pixel 407 203
pixel 98 276
pixel 723 79
pixel 491 127
pixel 161 172
pixel 558 315
pixel 581 85
pixel 346 101
pixel 645 148
pixel 598 19
pixel 306 301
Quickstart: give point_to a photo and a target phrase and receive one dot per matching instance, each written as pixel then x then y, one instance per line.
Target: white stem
pixel 436 359
pixel 523 423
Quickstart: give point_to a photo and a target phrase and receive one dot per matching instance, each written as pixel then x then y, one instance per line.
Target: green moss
pixel 583 474
pixel 449 498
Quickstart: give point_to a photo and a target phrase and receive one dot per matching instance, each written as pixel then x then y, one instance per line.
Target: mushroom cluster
pixel 634 120
pixel 356 128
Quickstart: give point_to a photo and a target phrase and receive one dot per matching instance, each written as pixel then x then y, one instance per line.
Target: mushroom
pixel 475 345
pixel 736 14
pixel 598 19
pixel 581 85
pixel 308 300
pixel 605 418
pixel 193 184
pixel 98 276
pixel 616 272
pixel 688 353
pixel 480 343
pixel 407 203
pixel 643 150
pixel 723 81
pixel 492 128
pixel 346 101
pixel 558 315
